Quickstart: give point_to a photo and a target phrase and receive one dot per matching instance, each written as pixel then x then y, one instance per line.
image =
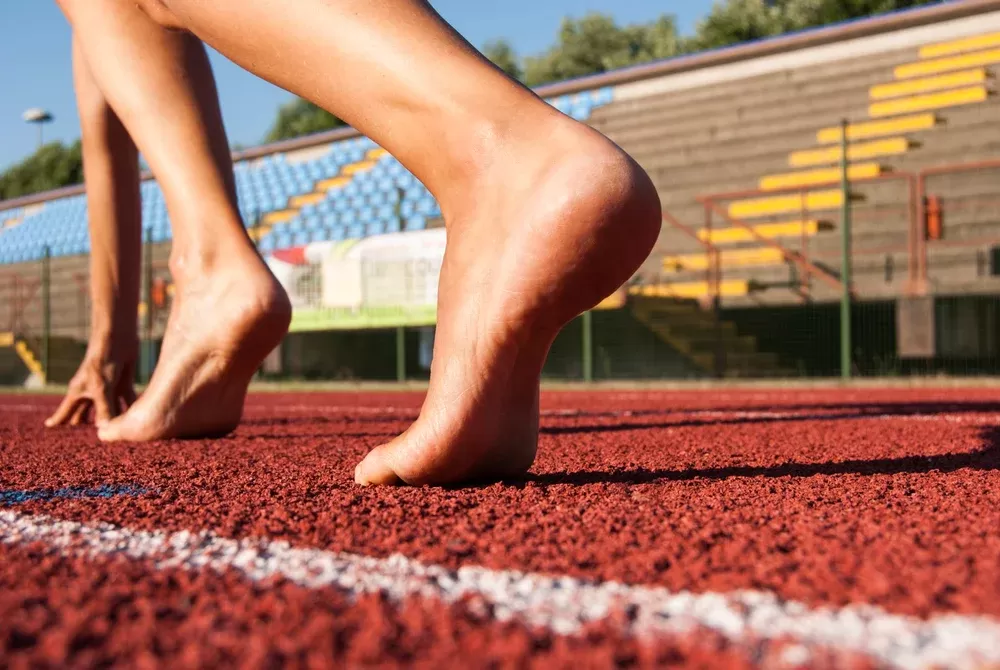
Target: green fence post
pixel 46 312
pixel 146 350
pixel 401 354
pixel 845 256
pixel 588 346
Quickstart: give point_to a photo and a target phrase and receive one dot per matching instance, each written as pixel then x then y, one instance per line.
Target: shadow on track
pixel 987 458
pixel 841 412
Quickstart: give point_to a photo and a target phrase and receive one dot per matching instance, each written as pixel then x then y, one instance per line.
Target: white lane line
pixel 563 605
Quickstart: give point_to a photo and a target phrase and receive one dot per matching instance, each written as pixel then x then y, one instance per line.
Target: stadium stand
pixel 745 147
pixel 349 189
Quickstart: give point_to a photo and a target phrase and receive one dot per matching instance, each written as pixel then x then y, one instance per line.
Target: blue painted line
pixel 70 493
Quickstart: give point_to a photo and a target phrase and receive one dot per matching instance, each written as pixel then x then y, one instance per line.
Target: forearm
pixel 111 169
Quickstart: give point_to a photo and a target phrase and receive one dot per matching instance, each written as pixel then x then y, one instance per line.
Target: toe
pixel 111 431
pixel 375 470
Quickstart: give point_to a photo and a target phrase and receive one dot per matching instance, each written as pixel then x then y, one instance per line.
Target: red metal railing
pixel 713 267
pixel 802 257
pixel 920 276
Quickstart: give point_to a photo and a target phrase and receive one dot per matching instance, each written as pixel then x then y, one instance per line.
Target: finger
pixel 80 413
pixel 65 410
pixel 103 404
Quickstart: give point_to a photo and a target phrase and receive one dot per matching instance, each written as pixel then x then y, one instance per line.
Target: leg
pixel 111 164
pixel 545 216
pixel 229 312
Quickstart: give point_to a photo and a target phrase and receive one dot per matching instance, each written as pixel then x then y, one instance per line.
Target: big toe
pixel 119 429
pixel 376 469
pixel 110 431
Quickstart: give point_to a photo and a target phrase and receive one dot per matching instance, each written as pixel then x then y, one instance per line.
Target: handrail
pixel 804 264
pixel 713 264
pixel 920 275
pixel 789 255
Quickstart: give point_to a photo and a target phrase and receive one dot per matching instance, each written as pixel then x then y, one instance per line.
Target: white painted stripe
pixel 560 604
pixel 795 61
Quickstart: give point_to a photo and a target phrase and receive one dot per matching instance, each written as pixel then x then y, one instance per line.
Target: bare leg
pixel 545 216
pixel 111 164
pixel 229 312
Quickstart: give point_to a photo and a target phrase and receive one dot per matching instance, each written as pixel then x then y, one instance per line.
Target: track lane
pixel 826 497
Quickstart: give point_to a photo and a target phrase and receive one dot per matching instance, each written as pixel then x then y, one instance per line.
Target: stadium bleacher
pixel 353 190
pixel 745 153
pixel 767 150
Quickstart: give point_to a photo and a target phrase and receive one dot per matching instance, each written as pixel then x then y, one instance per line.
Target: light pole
pixel 39 117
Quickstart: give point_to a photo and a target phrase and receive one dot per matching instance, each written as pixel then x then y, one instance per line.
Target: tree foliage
pixel 588 45
pixel 734 21
pixel 301 117
pixel 54 165
pixel 595 43
pixel 502 54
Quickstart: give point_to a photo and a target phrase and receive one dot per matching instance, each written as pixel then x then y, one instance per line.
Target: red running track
pixel 828 498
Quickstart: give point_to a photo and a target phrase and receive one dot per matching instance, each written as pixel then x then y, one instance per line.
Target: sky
pixel 35 67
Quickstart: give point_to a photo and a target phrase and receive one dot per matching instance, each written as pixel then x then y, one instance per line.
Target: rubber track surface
pixel 834 497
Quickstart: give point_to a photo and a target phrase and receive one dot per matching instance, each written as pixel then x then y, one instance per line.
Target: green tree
pixel 54 165
pixel 811 13
pixel 595 43
pixel 301 117
pixel 502 54
pixel 735 21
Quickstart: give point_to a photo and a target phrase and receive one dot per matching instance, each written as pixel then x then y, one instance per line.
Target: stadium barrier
pixel 925 295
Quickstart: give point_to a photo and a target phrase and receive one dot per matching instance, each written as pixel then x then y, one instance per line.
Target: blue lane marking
pixel 70 493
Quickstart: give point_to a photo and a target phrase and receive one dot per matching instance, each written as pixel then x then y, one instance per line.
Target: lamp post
pixel 39 117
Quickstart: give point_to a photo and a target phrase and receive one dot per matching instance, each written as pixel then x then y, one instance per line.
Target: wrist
pixel 113 342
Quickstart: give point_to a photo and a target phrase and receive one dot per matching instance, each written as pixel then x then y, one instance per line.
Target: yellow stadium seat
pixel 6 339
pixel 300 201
pixel 730 258
pixel 855 172
pixel 257 233
pixel 918 103
pixel 929 84
pixel 872 129
pixel 280 216
pixel 855 152
pixel 785 204
pixel 974 43
pixel 939 65
pixel 736 234
pixel 697 289
pixel 355 168
pixel 332 182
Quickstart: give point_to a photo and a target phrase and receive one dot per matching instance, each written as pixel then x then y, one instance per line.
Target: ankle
pixel 487 147
pixel 205 257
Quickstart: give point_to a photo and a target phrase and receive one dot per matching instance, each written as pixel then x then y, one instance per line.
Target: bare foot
pixel 543 236
pixel 224 321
